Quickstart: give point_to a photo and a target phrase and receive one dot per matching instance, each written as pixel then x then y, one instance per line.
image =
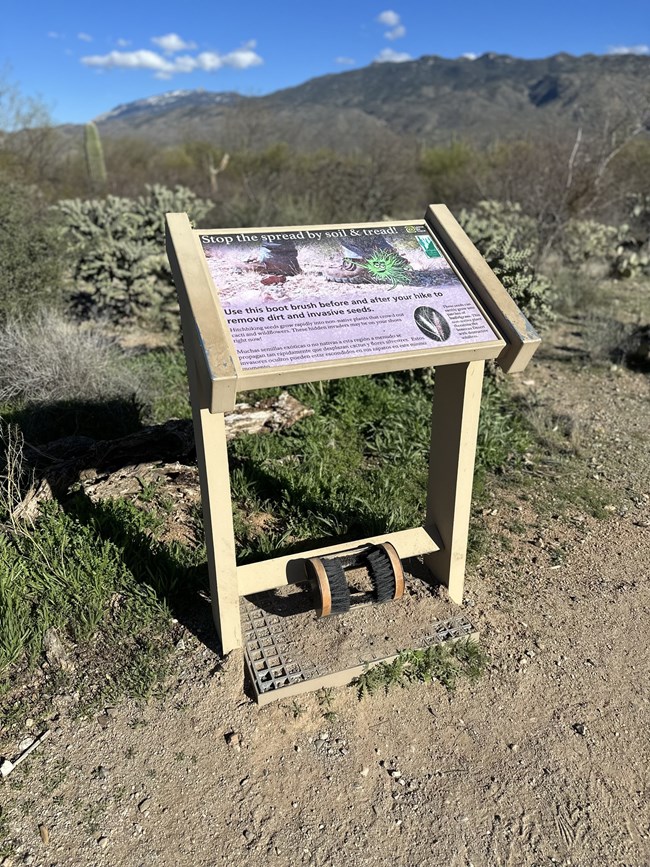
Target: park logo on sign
pixel 428 246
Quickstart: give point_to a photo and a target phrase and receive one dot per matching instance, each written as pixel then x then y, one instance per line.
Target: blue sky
pixel 84 59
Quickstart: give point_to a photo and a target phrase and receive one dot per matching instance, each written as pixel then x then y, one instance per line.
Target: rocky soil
pixel 545 760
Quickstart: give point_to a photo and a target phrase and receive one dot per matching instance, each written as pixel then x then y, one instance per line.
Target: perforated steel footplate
pixel 268 653
pixel 275 672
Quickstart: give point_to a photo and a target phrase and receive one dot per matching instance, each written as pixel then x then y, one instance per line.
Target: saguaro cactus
pixel 214 171
pixel 94 158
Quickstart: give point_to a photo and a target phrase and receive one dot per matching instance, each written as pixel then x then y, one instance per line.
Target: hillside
pixel 432 99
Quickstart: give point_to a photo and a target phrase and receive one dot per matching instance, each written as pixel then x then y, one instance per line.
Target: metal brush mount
pixel 330 588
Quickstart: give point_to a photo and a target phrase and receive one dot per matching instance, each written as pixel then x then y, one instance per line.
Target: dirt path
pixel 545 760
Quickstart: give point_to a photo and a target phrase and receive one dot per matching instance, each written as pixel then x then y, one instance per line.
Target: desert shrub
pixel 279 186
pixel 31 251
pixel 48 358
pixel 508 240
pixel 451 173
pixel 15 475
pixel 121 266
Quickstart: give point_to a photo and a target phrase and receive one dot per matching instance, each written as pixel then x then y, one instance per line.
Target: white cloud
pixel 393 21
pixel 123 43
pixel 142 59
pixel 85 37
pixel 209 61
pixel 346 61
pixel 389 18
pixel 389 55
pixel 172 43
pixel 184 63
pixel 242 58
pixel 469 55
pixel 396 32
pixel 166 67
pixel 52 34
pixel 629 49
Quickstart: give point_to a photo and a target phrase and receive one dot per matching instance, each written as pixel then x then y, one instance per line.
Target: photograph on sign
pixel 309 295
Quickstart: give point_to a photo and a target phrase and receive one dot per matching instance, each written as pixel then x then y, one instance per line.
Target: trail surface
pixel 546 759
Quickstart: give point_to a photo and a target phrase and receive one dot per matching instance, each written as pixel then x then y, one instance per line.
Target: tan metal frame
pixel 216 377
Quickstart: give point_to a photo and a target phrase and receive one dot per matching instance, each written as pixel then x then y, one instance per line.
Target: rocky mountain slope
pixel 432 100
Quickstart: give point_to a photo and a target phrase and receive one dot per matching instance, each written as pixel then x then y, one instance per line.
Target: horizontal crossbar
pixel 269 574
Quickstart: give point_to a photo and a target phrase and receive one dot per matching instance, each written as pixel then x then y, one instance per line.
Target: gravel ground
pixel 545 760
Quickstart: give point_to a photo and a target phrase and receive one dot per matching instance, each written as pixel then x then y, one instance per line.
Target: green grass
pixel 444 663
pixel 164 391
pixel 357 467
pixel 100 578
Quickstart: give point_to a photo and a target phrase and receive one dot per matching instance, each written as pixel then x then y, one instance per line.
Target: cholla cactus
pixel 632 257
pixel 584 241
pixel 507 239
pixel 121 263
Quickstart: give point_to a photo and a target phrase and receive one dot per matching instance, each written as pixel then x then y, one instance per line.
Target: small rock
pixel 103 719
pixel 248 836
pixel 144 805
pixel 29 723
pixel 233 740
pixel 111 712
pixel 44 831
pixel 324 736
pixel 513 747
pixel 365 772
pixel 99 773
pixel 102 842
pixel 580 728
pixel 395 774
pixel 55 652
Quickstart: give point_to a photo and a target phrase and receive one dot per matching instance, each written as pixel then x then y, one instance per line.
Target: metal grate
pixel 451 630
pixel 268 660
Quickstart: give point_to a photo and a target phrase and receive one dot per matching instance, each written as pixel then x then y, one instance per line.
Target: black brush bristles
pixel 339 589
pixel 382 574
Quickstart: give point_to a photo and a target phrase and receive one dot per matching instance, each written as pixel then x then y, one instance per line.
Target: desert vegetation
pixel 90 349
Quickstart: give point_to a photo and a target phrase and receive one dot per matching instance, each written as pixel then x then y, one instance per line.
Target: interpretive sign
pixel 318 295
pixel 278 306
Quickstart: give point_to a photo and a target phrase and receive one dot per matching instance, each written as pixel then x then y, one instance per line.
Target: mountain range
pixel 432 100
